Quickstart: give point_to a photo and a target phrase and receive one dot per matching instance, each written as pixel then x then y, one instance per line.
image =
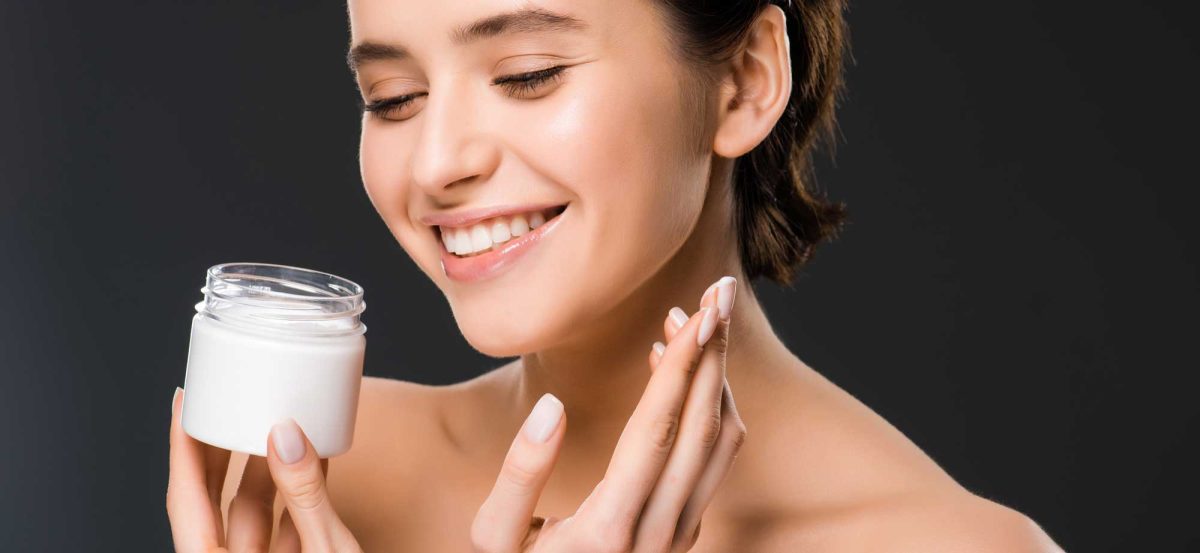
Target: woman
pixel 567 173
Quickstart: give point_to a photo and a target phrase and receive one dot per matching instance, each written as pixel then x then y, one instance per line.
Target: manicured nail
pixel 543 419
pixel 707 325
pixel 726 290
pixel 659 348
pixel 678 317
pixel 175 398
pixel 289 444
pixel 711 288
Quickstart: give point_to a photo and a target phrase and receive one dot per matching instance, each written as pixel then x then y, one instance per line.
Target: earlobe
pixel 758 87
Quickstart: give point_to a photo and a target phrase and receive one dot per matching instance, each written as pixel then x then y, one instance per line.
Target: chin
pixel 513 341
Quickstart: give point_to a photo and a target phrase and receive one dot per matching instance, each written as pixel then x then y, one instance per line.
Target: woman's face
pixel 608 137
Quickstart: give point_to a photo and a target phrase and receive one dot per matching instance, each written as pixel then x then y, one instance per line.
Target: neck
pixel 601 372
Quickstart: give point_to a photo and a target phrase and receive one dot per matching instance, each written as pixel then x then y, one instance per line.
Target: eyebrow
pixel 525 20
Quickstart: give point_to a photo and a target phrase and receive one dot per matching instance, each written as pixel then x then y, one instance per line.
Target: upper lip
pixel 467 217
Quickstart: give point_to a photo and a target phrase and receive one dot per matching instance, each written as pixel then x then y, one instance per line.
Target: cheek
pixel 620 148
pixel 382 169
pixel 615 144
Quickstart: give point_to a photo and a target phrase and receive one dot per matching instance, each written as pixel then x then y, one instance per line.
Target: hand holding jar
pixel 274 370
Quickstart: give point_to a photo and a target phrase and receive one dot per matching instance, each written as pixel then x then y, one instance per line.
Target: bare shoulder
pixel 392 415
pixel 821 471
pixel 404 433
pixel 413 426
pixel 956 522
pixel 959 521
pixel 403 422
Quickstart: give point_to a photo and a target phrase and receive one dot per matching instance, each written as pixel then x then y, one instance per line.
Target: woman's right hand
pixel 675 451
pixel 197 476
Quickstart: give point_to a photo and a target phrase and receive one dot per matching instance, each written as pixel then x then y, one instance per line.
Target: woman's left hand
pixel 675 451
pixel 197 475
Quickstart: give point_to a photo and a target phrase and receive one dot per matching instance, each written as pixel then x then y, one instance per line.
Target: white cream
pixel 244 376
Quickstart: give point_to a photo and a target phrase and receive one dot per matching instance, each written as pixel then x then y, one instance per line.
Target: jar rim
pixel 350 289
pixel 283 298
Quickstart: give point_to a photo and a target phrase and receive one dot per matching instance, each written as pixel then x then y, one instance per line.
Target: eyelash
pixel 514 84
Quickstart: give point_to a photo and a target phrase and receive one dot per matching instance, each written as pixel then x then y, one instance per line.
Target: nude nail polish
pixel 543 419
pixel 711 288
pixel 708 324
pixel 678 317
pixel 726 290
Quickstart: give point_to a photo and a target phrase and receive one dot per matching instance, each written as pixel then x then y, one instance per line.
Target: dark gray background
pixel 1017 290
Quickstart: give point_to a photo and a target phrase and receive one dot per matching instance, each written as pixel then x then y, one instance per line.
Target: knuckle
pixel 171 508
pixel 307 492
pixel 601 539
pixel 711 432
pixel 483 540
pixel 695 534
pixel 243 501
pixel 663 432
pixel 739 436
pixel 172 501
pixel 520 472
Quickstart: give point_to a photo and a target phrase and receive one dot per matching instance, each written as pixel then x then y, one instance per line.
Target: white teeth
pixel 518 226
pixel 500 232
pixel 489 234
pixel 481 239
pixel 462 241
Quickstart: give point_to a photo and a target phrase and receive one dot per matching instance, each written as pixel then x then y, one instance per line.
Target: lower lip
pixel 492 263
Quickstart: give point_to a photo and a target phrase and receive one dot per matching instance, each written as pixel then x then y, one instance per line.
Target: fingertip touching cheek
pixel 533 109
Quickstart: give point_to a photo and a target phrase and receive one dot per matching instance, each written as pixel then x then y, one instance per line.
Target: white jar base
pixel 240 383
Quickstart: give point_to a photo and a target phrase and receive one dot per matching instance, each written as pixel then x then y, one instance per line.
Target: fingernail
pixel 289 444
pixel 727 289
pixel 175 398
pixel 708 292
pixel 678 317
pixel 659 348
pixel 707 325
pixel 543 419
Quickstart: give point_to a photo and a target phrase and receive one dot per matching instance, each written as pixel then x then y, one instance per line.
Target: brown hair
pixel 779 216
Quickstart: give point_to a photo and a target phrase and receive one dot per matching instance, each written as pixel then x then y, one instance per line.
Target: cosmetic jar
pixel 270 342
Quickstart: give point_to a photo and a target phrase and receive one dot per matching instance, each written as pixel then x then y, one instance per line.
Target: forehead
pixel 422 24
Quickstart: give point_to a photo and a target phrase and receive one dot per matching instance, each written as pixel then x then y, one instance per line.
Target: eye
pixel 388 108
pixel 529 82
pixel 516 85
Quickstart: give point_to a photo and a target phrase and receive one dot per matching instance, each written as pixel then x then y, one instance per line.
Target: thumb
pixel 297 472
pixel 504 519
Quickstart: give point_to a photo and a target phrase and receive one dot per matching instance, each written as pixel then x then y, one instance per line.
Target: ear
pixel 757 89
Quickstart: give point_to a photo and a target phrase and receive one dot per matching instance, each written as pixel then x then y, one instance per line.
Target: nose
pixel 454 147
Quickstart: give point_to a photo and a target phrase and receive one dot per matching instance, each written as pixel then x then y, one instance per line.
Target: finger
pixel 503 521
pixel 195 520
pixel 649 435
pixel 252 509
pixel 288 539
pixel 699 430
pixel 216 465
pixel 733 435
pixel 656 352
pixel 671 327
pixel 298 475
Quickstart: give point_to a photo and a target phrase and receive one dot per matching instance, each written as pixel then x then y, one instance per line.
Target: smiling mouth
pixel 493 234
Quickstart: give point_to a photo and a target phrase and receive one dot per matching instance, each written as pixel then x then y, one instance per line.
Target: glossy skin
pixel 818 471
